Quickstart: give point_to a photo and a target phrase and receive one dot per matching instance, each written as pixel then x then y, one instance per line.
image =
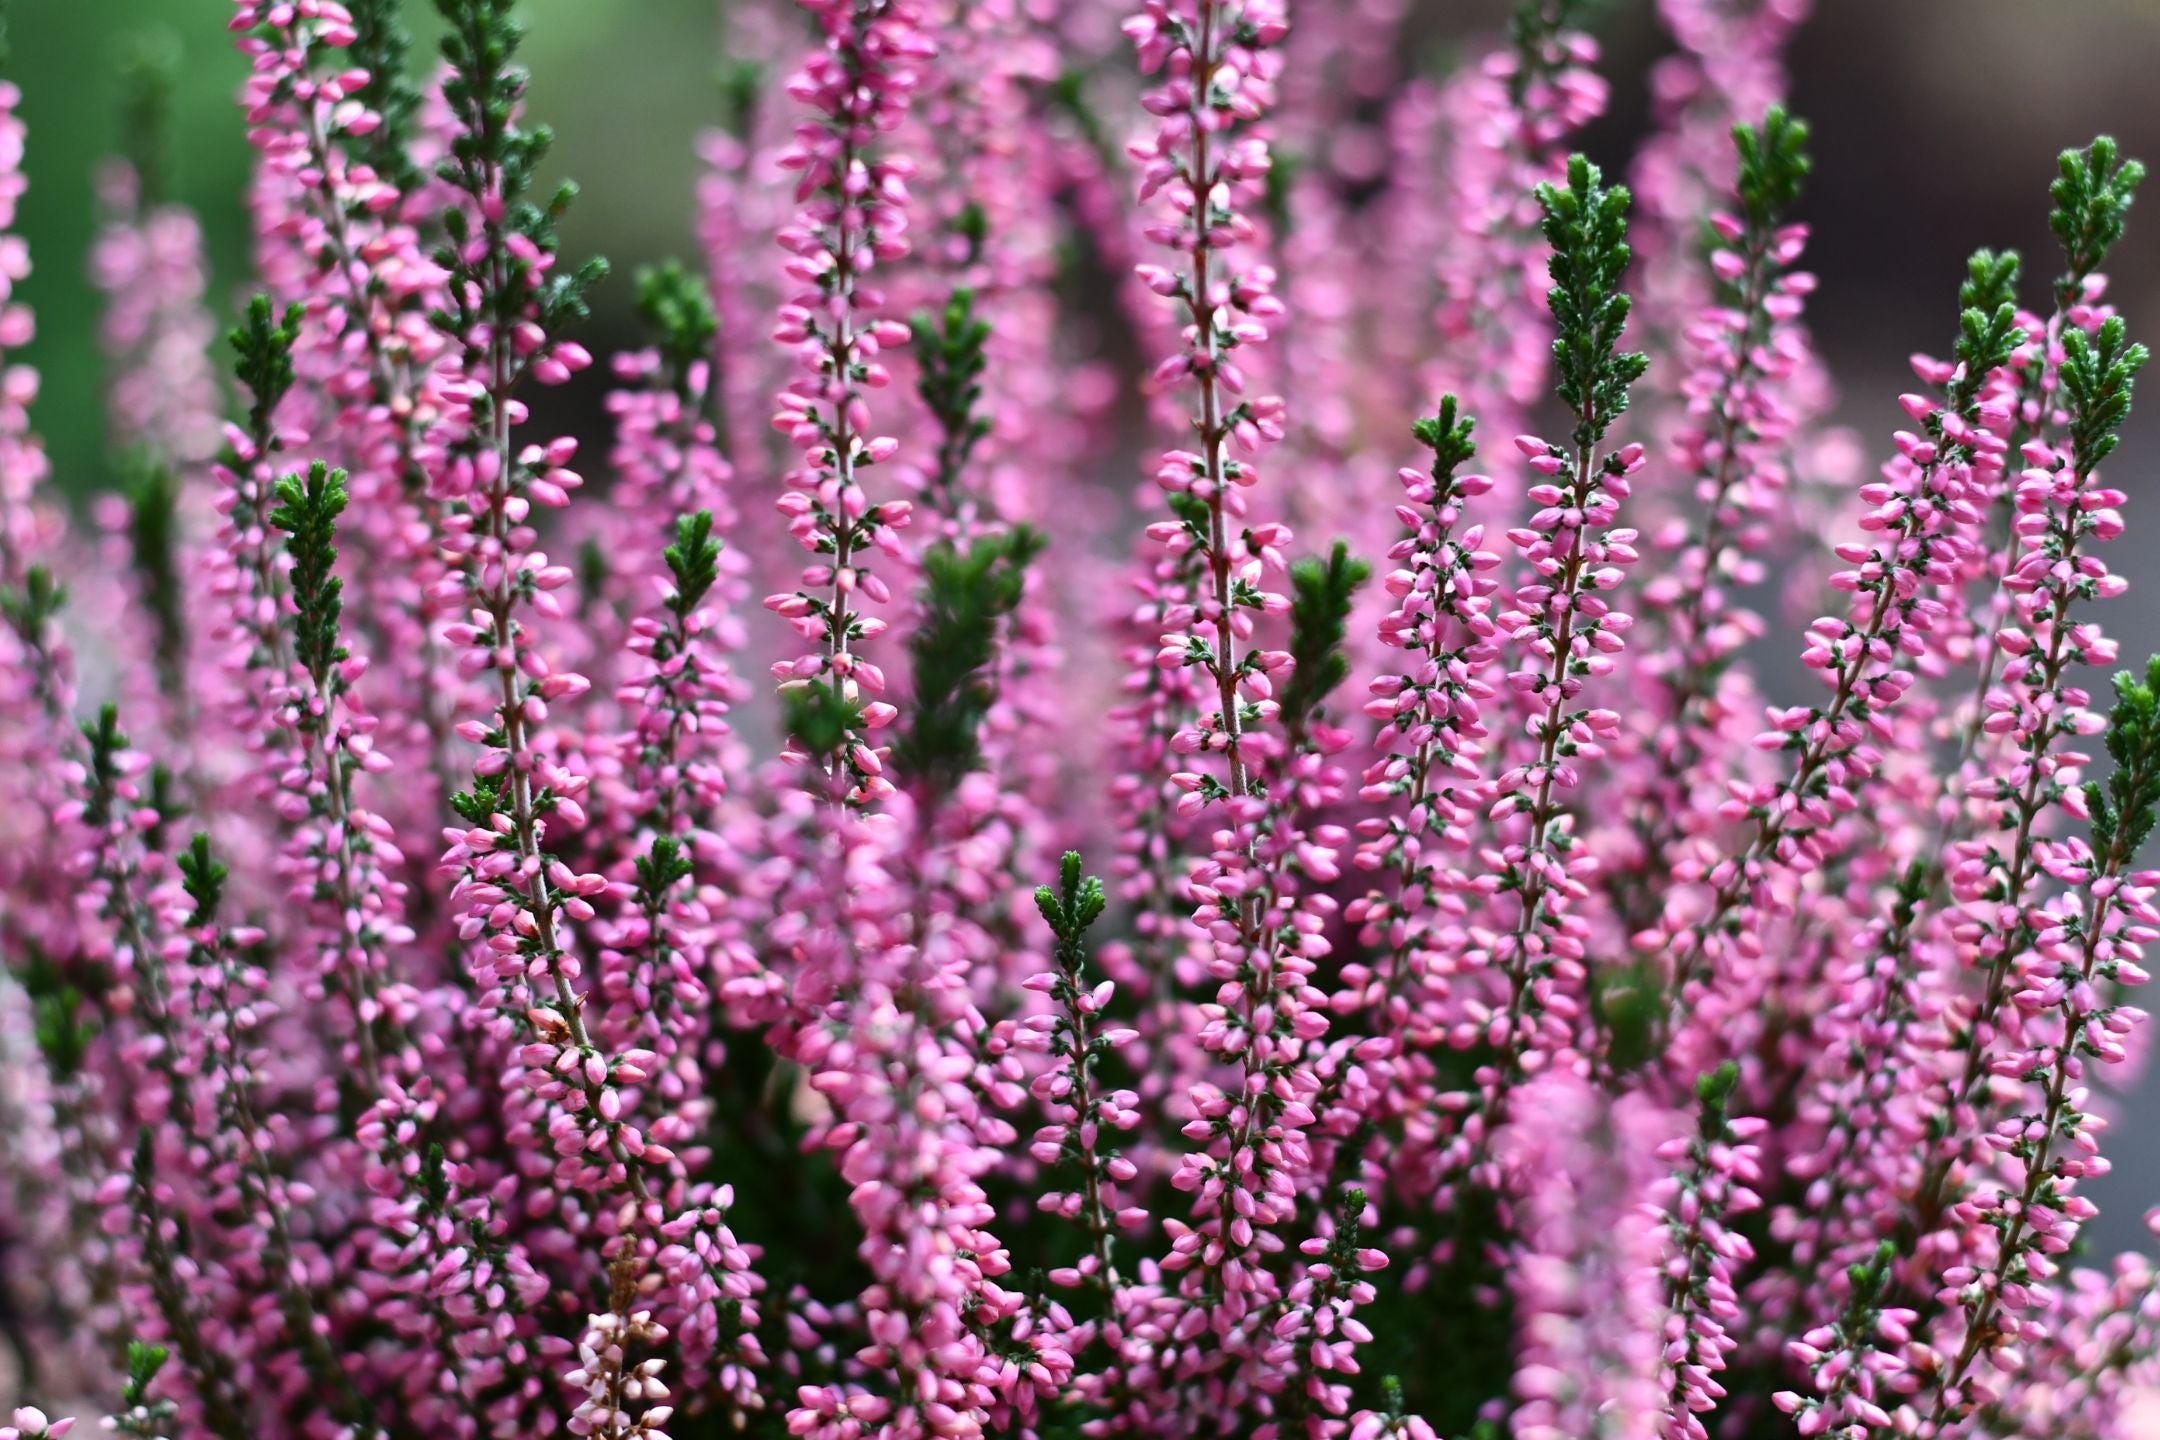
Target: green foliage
pixel 1586 225
pixel 1450 1343
pixel 678 308
pixel 144 1361
pixel 949 348
pixel 971 224
pixel 659 868
pixel 966 595
pixel 1990 281
pixel 741 84
pixel 2097 378
pixel 1447 434
pixel 1986 336
pixel 2123 810
pixel 203 877
pixel 263 345
pixel 308 511
pixel 1068 93
pixel 1774 163
pixel 495 158
pixel 107 743
pixel 380 46
pixel 1075 904
pixel 592 574
pixel 478 805
pixel 435 1176
pixel 1321 594
pixel 164 804
pixel 2092 193
pixel 149 63
pixel 59 1019
pixel 33 606
pixel 1869 1279
pixel 1191 512
pixel 1285 167
pixel 1713 1091
pixel 819 718
pixel 694 561
pixel 140 1414
pixel 1627 1002
pixel 153 500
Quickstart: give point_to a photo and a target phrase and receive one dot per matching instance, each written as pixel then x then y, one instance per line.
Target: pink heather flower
pixel 1728 69
pixel 1745 400
pixel 30 1423
pixel 1585 1278
pixel 1921 524
pixel 1429 777
pixel 356 264
pixel 157 334
pixel 1711 1183
pixel 437 997
pixel 1507 119
pixel 1216 64
pixel 852 219
pixel 1564 632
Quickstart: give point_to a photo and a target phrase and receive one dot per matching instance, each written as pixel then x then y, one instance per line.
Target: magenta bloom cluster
pixel 1128 790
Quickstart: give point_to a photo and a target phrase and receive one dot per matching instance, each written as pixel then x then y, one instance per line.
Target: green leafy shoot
pixel 694 561
pixel 307 511
pixel 1586 226
pixel 164 804
pixel 59 1019
pixel 33 606
pixel 677 307
pixel 1774 164
pixel 492 156
pixel 202 875
pixel 2092 192
pixel 263 345
pixel 143 1363
pixel 741 84
pixel 950 349
pixel 967 594
pixel 1987 326
pixel 1991 279
pixel 478 805
pixel 1447 434
pixel 1713 1091
pixel 2098 375
pixel 140 1414
pixel 1074 905
pixel 659 869
pixel 152 491
pixel 2123 809
pixel 1322 592
pixel 107 744
pixel 819 718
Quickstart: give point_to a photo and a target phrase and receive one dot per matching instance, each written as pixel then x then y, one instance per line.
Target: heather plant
pixel 1069 964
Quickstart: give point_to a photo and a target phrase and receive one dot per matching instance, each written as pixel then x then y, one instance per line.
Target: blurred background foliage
pixel 1936 125
pixel 627 85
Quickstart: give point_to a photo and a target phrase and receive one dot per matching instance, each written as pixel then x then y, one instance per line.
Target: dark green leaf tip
pixel 1586 226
